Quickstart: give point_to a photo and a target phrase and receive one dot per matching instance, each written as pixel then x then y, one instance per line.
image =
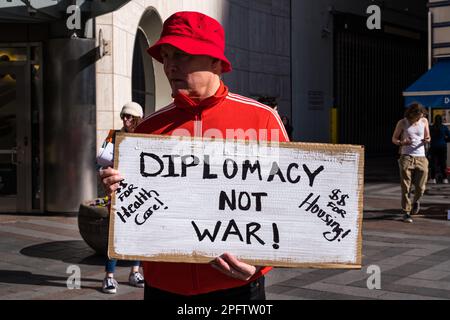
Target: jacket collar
pixel 182 101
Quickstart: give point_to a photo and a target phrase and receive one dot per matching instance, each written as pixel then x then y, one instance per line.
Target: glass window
pixel 13 54
pixel 444 113
pixel 8 125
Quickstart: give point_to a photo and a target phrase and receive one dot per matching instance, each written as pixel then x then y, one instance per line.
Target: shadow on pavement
pixel 25 277
pixel 387 214
pixel 436 211
pixel 432 211
pixel 28 278
pixel 73 251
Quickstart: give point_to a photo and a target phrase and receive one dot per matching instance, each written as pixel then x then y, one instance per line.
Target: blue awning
pixel 432 90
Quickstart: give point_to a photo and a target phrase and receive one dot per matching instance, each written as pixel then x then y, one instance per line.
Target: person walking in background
pixel 131 116
pixel 440 135
pixel 411 134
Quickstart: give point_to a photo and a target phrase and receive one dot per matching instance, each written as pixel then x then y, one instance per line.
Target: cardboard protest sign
pixel 187 199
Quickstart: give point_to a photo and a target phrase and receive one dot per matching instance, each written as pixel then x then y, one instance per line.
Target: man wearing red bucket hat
pixel 191 47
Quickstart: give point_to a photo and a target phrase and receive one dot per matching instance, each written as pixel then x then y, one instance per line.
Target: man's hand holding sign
pixel 280 204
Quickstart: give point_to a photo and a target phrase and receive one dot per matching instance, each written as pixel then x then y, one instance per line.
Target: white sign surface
pixel 280 204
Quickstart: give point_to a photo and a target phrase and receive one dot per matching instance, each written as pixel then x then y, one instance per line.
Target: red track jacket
pixel 211 117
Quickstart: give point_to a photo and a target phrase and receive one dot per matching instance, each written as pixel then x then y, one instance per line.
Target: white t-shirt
pixel 416 133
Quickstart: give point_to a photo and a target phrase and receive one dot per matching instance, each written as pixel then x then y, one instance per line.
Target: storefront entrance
pixel 20 172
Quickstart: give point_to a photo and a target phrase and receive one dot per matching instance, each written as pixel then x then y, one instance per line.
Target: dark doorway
pixel 371 70
pixel 138 73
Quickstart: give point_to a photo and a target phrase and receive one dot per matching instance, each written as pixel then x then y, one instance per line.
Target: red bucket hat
pixel 195 34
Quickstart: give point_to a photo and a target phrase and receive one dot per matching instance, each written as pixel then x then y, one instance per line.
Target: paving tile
pixel 389 252
pixel 420 252
pixel 404 236
pixel 415 290
pixel 347 277
pixel 278 289
pixel 444 266
pixel 33 233
pixel 42 227
pixel 443 285
pixel 278 275
pixel 400 244
pixel 345 290
pixel 396 261
pixel 311 277
pixel 322 295
pixel 427 262
pixel 437 258
pixel 276 296
pixel 405 296
pixel 430 274
pixel 136 294
pixel 19 237
pixel 405 270
pixel 385 280
pixel 306 294
pixel 54 224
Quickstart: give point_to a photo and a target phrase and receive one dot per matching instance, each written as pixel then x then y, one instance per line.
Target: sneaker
pixel 416 208
pixel 432 181
pixel 110 285
pixel 407 218
pixel 136 280
pixel 445 181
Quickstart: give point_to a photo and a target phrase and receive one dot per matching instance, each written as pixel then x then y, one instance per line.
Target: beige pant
pixel 413 170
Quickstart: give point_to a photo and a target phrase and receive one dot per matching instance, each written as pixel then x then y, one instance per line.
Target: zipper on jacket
pixel 197 133
pixel 198 124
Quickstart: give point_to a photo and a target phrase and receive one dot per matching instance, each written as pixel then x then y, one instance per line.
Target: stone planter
pixel 93 223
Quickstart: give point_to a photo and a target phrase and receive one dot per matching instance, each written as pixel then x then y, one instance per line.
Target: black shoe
pixel 416 208
pixel 407 218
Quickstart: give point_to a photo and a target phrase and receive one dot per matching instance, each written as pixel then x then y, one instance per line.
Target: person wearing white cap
pixel 131 115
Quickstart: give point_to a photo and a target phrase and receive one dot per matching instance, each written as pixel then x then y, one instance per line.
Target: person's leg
pixel 421 169
pixel 135 266
pixel 135 278
pixel 442 162
pixel 405 182
pixel 109 283
pixel 433 161
pixel 110 267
